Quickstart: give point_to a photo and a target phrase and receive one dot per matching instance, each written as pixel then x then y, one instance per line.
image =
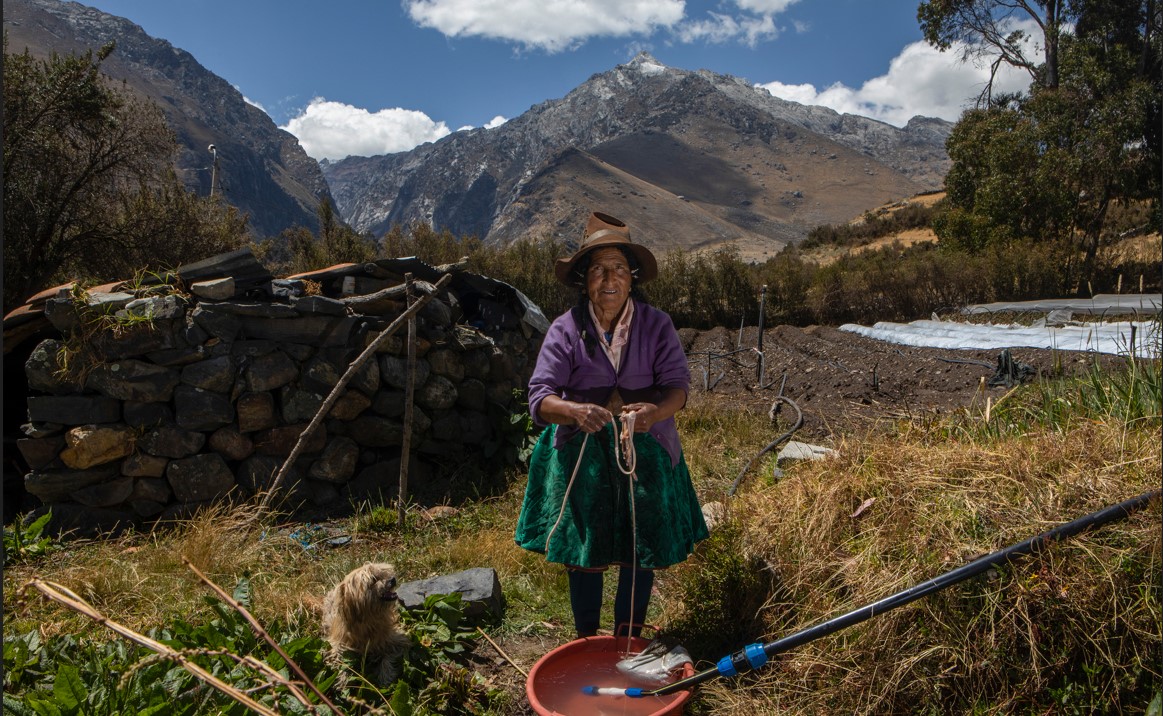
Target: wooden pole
pixel 341 386
pixel 409 395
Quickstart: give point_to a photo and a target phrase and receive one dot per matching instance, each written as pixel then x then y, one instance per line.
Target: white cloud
pixel 491 124
pixel 765 7
pixel 550 25
pixel 920 81
pixel 725 28
pixel 754 25
pixel 333 130
pixel 252 103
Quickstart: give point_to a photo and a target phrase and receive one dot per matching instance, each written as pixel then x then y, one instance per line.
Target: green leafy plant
pixel 23 542
pixel 435 678
pixel 378 518
pixel 517 433
pixel 69 675
pixel 721 591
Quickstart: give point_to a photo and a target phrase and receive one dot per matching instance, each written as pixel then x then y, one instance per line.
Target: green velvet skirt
pixel 596 528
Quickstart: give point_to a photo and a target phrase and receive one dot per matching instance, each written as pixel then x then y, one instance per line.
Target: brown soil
pixel 845 383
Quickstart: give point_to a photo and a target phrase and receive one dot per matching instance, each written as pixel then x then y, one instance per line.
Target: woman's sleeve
pixel 552 371
pixel 670 367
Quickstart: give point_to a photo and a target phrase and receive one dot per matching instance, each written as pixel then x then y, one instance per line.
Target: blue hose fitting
pixel 752 656
pixel 756 656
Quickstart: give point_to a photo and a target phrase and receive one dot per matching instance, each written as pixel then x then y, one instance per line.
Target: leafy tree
pixel 1048 166
pixel 337 243
pixel 425 243
pixel 990 27
pixel 89 186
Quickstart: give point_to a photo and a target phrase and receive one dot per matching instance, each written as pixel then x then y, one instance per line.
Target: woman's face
pixel 608 280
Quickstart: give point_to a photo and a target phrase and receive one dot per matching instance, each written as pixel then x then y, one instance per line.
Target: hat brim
pixel 647 265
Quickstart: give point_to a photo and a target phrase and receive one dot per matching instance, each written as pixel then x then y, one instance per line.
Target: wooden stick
pixel 258 629
pixel 63 595
pixel 409 398
pixel 502 653
pixel 340 387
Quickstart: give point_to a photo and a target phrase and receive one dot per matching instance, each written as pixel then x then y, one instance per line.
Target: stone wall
pixel 185 398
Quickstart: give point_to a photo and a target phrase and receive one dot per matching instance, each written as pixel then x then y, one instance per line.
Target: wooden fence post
pixel 409 395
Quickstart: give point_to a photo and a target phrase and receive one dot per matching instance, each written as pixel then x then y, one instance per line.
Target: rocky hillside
pixel 692 159
pixel 262 170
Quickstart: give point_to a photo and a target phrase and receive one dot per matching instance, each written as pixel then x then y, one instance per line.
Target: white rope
pixel 625 441
pixel 623 450
pixel 568 487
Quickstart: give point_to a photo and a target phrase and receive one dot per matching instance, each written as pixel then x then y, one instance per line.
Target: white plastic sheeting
pixel 1107 337
pixel 1057 333
pixel 1141 305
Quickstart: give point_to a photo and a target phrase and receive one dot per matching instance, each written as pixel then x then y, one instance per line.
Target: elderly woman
pixel 598 494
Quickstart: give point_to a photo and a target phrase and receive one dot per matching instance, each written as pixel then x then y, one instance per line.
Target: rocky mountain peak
pixel 262 169
pixel 694 158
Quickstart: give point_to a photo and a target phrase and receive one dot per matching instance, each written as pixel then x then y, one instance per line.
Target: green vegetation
pixel 1048 167
pixel 70 675
pixel 872 226
pixel 336 243
pixel 717 288
pixel 90 192
pixel 23 542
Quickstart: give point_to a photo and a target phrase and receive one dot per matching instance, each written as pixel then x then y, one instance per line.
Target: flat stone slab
pixel 219 289
pixel 480 588
pixel 803 451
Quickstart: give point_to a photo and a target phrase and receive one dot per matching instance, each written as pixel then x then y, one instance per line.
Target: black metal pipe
pixel 759 343
pixel 755 655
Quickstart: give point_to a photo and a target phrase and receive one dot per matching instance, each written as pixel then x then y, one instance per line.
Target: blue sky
pixel 375 76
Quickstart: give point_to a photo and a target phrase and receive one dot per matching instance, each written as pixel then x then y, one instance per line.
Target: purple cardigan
pixel 652 360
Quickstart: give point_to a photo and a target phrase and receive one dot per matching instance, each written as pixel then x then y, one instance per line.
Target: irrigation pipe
pixel 754 656
pixel 773 444
pixel 342 385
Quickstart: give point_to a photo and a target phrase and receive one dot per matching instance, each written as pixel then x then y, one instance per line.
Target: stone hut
pixel 133 404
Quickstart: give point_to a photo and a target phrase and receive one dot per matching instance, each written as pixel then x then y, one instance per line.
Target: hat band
pixel 605 232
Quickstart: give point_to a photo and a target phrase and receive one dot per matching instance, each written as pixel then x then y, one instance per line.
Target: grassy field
pixel 1073 630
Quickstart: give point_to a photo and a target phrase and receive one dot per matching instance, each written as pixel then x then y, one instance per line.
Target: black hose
pixel 755 655
pixel 771 445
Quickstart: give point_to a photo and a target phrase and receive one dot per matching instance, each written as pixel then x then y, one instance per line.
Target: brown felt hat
pixel 603 230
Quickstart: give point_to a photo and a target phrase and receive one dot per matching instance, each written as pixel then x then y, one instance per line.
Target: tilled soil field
pixel 844 382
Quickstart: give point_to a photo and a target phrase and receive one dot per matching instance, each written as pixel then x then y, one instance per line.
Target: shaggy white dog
pixel 361 623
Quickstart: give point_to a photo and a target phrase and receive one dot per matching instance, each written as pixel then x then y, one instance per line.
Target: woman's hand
pixel 645 415
pixel 586 416
pixel 590 418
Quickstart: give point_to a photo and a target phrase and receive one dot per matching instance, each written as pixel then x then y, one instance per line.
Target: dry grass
pixel 140 579
pixel 1084 616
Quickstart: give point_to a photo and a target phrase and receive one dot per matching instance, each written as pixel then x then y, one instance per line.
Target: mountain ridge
pixel 763 165
pixel 262 170
pixel 691 159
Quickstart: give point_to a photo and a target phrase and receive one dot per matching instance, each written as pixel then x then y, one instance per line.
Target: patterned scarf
pixel 621 334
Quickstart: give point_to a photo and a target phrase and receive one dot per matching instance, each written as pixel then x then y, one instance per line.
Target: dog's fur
pixel 361 623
